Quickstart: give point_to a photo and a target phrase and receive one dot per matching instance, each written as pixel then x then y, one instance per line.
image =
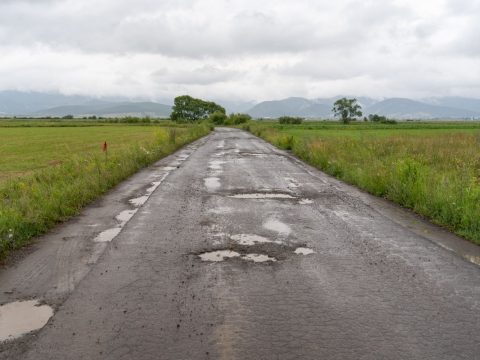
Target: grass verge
pixel 31 205
pixel 434 172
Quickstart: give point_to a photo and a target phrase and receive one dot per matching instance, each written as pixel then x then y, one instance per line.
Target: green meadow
pixel 50 170
pixel 432 168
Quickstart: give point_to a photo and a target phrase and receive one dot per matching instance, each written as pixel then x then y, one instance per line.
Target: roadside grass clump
pixel 434 173
pixel 32 204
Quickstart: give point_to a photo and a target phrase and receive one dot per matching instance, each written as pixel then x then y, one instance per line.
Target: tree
pixel 189 109
pixel 347 109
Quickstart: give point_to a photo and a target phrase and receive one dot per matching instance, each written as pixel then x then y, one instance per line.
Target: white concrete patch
pixel 304 251
pixel 260 196
pixel 108 235
pixel 125 216
pixel 258 258
pixel 212 183
pixel 21 317
pixel 216 164
pixel 277 226
pixel 473 259
pixel 217 256
pixel 221 144
pixel 139 201
pixel 169 168
pixel 291 183
pixel 305 202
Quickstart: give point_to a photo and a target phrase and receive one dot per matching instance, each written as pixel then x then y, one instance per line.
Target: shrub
pixel 237 119
pixel 218 118
pixel 290 120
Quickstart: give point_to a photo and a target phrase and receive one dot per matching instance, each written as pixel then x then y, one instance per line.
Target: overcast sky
pixel 241 49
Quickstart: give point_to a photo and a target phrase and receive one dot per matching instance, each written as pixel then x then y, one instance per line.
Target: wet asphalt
pixel 243 252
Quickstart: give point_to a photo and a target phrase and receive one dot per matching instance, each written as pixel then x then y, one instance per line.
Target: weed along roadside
pixel 432 169
pixel 32 204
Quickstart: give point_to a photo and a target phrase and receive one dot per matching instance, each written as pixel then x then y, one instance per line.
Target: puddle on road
pixel 258 258
pixel 21 317
pixel 251 239
pixel 169 168
pixel 107 235
pixel 305 202
pixel 219 255
pixel 221 144
pixel 277 226
pixel 212 183
pixel 262 196
pixel 304 251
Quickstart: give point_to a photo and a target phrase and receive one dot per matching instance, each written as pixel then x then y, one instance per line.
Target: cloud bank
pixel 241 50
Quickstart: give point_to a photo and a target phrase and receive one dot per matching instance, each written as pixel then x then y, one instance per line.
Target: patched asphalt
pixel 237 250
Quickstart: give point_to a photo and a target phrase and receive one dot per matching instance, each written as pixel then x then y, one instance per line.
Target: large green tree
pixel 347 109
pixel 189 109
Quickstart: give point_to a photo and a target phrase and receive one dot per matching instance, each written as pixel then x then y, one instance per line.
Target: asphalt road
pixel 312 269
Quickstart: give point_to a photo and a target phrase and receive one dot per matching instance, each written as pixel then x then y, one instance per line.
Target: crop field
pixel 431 168
pixel 49 171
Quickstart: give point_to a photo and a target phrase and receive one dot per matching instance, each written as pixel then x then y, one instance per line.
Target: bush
pixel 237 119
pixel 218 118
pixel 290 120
pixel 380 119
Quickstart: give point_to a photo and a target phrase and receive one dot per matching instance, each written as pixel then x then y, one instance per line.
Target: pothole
pixel 219 255
pixel 258 258
pixel 222 255
pixel 251 239
pixel 303 251
pixel 262 196
pixel 21 317
pixel 305 202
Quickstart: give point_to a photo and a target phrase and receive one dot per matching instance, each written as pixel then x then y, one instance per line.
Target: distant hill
pixel 398 108
pixel 49 104
pixel 23 103
pixel 110 109
pixel 44 104
pixel 455 102
pixel 294 106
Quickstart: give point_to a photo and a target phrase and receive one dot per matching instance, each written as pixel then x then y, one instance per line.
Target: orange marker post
pixel 105 150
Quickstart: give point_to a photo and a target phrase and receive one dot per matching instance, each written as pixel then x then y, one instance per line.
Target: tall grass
pixel 436 175
pixel 31 205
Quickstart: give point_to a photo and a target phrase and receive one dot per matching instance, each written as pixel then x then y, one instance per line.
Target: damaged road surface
pixel 232 249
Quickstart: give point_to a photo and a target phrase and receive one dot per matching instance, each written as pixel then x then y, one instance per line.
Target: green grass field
pixel 50 171
pixel 431 168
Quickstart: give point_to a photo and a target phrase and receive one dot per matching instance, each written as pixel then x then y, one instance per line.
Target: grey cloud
pixel 268 48
pixel 204 75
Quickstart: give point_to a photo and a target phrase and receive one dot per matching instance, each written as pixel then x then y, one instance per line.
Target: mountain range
pixel 397 108
pixel 36 104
